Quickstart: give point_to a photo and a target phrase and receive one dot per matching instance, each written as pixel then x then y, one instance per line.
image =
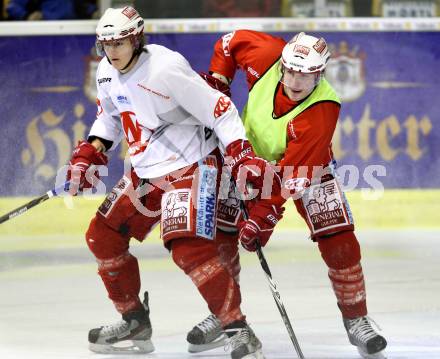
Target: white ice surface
pixel 49 301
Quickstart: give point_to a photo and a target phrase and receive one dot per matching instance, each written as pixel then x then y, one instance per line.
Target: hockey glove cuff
pixel 84 155
pixel 263 216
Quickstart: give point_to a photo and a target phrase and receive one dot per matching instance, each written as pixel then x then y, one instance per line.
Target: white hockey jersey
pixel 165 110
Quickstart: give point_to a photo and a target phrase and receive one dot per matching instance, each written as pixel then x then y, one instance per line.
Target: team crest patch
pixel 301 50
pixel 223 105
pixel 129 12
pixel 175 211
pixel 325 207
pixel 100 109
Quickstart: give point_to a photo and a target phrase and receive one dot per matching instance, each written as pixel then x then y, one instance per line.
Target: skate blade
pixel 197 348
pixel 379 355
pixel 124 347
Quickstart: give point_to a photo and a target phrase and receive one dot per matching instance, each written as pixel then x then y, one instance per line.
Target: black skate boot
pixel 243 342
pixel 206 335
pixel 130 335
pixel 361 334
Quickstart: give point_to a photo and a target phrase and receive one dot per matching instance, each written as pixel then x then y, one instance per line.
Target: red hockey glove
pixel 254 171
pixel 84 155
pixel 263 216
pixel 215 83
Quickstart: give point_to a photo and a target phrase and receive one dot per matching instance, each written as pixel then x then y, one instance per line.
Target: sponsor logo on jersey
pixel 112 196
pixel 137 136
pixel 153 92
pixel 106 207
pixel 175 211
pixel 324 206
pixel 228 213
pixel 291 131
pixel 226 39
pixel 223 105
pixel 104 79
pixel 229 209
pixel 253 72
pixel 122 100
pixel 297 184
pixel 206 202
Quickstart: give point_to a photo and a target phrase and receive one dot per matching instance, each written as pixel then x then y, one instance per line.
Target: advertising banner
pixel 388 133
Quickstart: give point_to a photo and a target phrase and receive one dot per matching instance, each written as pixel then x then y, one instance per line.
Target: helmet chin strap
pixel 129 62
pixel 136 53
pixel 318 78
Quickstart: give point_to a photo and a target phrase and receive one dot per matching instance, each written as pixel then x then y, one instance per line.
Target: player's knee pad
pixel 340 250
pixel 190 253
pixel 121 278
pixel 104 241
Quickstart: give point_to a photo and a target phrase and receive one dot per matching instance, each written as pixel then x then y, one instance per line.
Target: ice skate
pixel 206 335
pixel 130 335
pixel 243 342
pixel 361 334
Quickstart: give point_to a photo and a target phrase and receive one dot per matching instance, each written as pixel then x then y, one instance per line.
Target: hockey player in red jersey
pixel 175 126
pixel 290 118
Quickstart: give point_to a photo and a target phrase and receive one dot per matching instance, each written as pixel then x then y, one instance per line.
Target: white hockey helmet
pixel 305 53
pixel 118 24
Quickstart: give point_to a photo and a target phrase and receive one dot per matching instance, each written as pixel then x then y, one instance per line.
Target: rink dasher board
pixel 221 25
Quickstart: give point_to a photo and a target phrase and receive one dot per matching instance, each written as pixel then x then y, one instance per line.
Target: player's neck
pixel 130 66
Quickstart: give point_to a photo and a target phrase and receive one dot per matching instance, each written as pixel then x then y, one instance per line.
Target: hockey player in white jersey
pixel 176 127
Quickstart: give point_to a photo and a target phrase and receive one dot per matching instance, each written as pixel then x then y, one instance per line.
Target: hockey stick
pixel 35 202
pixel 279 303
pixel 275 293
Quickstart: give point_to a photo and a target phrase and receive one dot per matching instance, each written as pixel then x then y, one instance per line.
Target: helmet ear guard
pixel 305 53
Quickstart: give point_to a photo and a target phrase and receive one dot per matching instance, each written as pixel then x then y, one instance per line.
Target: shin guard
pixel 118 269
pixel 341 253
pixel 122 281
pixel 199 259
